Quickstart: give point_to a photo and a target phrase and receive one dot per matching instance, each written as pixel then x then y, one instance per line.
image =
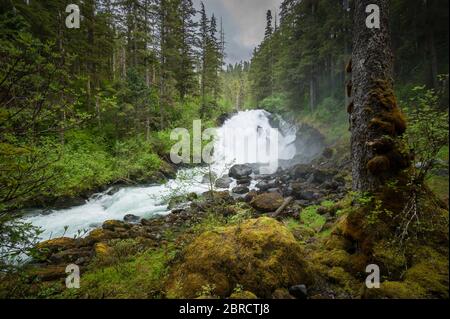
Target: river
pixel 149 201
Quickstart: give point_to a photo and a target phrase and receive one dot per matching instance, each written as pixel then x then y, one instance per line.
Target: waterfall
pixel 149 201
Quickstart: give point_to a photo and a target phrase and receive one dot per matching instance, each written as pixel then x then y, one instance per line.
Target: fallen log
pixel 285 204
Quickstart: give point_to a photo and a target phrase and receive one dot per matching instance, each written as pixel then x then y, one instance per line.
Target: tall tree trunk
pixel 377 122
pixel 312 93
pixel 433 60
pixel 90 17
pixel 123 61
pixel 431 42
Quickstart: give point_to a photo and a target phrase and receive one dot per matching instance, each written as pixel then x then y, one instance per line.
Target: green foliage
pixel 88 162
pixel 303 58
pixel 16 240
pixel 138 277
pixel 236 88
pixel 311 218
pixel 274 103
pixel 428 129
pixel 36 104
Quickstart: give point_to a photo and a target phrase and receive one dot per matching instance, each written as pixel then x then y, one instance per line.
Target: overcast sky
pixel 244 23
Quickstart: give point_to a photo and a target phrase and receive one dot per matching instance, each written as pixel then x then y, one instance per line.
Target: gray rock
pixel 181 208
pixel 299 292
pixel 240 171
pixel 244 181
pixel 302 171
pixel 241 190
pixel 322 176
pixel 130 218
pixel 263 186
pixel 223 182
pixel 306 195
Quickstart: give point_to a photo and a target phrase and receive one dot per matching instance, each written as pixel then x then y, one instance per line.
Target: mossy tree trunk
pixel 376 120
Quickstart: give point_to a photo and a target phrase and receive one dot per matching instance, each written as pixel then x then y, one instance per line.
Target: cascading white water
pixel 246 138
pixel 150 201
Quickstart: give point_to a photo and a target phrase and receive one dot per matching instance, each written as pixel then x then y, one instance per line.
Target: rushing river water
pixel 152 200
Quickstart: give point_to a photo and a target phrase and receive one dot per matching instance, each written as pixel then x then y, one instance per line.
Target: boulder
pixel 250 196
pixel 259 254
pixel 223 182
pixel 282 294
pixel 98 235
pixel 244 181
pixel 263 186
pixel 49 247
pixel 71 255
pixel 240 171
pixel 299 291
pixel 114 225
pixel 102 249
pixel 302 171
pixel 296 188
pixel 267 202
pixel 181 208
pixel 321 176
pixel 306 195
pixel 48 273
pixel 130 218
pixel 241 190
pixel 223 196
pixel 243 295
pixel 245 184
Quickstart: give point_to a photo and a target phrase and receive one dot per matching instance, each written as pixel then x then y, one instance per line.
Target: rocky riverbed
pixel 303 185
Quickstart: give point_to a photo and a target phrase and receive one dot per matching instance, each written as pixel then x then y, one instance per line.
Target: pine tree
pixel 214 59
pixel 269 28
pixel 186 81
pixel 204 43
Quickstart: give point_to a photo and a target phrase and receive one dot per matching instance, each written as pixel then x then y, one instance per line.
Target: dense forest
pixel 302 62
pixel 91 110
pixel 88 104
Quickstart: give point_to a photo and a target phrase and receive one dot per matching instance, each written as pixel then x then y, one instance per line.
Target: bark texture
pixel 376 120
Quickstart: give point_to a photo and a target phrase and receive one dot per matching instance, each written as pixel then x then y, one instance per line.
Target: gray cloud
pixel 244 23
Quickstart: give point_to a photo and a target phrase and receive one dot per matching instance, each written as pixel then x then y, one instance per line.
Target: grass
pixel 140 277
pixel 310 218
pixel 439 185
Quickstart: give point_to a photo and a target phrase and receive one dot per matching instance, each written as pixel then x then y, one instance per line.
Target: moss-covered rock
pixel 390 258
pixel 98 235
pixel 396 290
pixel 102 249
pixel 267 202
pixel 47 273
pixel 243 295
pixel 47 248
pixel 282 294
pixel 259 254
pixel 432 275
pixel 115 224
